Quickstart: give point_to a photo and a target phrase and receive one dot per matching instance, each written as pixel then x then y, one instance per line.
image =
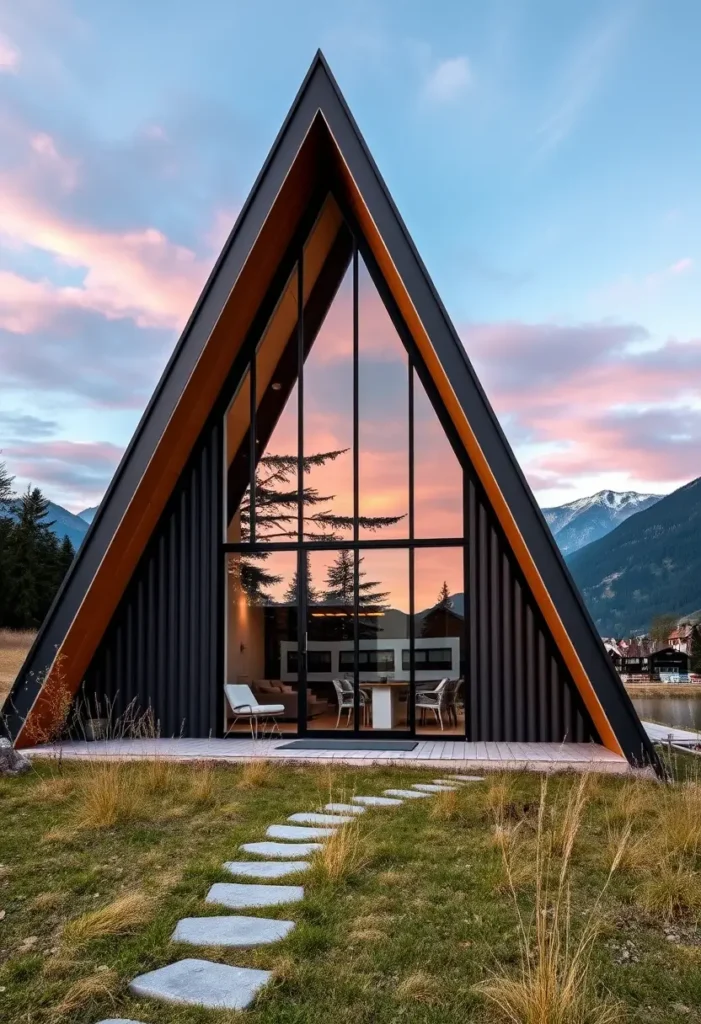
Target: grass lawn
pixel 97 863
pixel 14 646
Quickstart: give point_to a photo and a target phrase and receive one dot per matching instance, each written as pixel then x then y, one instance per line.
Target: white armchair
pixel 244 705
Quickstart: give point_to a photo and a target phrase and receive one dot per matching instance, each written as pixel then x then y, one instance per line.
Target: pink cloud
pixel 73 472
pixel 594 404
pixel 137 274
pixel 9 55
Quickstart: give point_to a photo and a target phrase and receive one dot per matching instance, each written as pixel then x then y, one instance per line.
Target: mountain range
pixel 647 566
pixel 587 519
pixel 632 555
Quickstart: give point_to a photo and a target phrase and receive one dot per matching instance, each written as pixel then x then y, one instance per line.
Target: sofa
pixel 272 691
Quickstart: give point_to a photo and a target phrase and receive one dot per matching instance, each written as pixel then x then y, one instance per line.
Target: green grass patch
pixel 424 917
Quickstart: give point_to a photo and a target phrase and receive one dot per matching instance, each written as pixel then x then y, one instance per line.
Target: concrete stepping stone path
pixel 201 983
pixel 345 808
pixel 240 896
pixel 298 832
pixel 406 794
pixel 466 778
pixel 120 1020
pixel 313 818
pixel 377 801
pixel 243 932
pixel 281 849
pixel 265 869
pixel 429 787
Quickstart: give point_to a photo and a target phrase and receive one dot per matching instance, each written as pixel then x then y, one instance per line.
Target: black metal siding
pixel 518 688
pixel 163 648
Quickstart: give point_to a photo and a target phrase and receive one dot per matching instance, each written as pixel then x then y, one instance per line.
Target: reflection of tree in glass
pixel 276 518
pixel 339 592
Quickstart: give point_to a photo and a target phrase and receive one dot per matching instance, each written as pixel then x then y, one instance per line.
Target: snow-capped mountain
pixel 587 519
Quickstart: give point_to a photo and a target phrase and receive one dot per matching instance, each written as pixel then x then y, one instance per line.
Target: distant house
pixel 664 663
pixel 680 638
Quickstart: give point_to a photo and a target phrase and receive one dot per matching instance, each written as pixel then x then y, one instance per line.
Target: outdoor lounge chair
pixel 244 705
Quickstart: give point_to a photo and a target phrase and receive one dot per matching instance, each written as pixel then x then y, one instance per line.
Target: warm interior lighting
pixel 276 386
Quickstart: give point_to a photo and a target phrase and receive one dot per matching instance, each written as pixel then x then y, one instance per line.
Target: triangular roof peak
pixel 318 150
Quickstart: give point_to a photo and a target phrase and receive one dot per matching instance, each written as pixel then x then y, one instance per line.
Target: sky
pixel 544 156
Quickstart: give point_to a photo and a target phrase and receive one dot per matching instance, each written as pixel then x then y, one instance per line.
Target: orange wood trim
pixel 477 456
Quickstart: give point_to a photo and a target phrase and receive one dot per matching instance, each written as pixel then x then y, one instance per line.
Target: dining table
pixel 385 701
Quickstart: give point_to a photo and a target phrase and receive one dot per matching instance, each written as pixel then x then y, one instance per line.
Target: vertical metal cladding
pixel 518 686
pixel 163 648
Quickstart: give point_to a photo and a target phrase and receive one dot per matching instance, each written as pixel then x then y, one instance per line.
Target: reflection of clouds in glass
pixel 437 474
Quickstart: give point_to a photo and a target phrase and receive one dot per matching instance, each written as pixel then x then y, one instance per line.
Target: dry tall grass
pixel 555 982
pixel 254 773
pixel 85 992
pixel 117 918
pixel 445 806
pixel 14 647
pixel 341 854
pixel 673 891
pixel 106 795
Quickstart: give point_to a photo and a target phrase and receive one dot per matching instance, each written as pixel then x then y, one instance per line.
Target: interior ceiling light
pixel 276 386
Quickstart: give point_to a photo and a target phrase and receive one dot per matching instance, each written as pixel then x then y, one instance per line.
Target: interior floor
pixel 328 721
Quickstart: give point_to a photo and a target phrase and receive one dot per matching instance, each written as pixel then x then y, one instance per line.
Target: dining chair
pixel 434 700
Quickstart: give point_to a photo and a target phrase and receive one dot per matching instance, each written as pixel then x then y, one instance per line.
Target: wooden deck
pixel 453 754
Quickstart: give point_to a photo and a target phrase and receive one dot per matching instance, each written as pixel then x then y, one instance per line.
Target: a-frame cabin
pixel 317 461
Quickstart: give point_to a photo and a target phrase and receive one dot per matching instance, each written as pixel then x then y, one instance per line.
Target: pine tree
pixel 276 519
pixel 7 528
pixel 339 584
pixel 35 562
pixel 444 598
pixel 313 596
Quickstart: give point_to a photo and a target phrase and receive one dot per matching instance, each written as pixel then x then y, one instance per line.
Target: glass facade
pixel 343 531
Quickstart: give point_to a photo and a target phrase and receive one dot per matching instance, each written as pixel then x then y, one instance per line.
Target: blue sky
pixel 545 157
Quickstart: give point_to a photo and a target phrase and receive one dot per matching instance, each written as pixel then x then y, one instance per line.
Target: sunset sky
pixel 545 157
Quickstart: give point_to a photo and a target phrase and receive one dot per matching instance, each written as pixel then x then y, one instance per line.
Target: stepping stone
pixel 408 794
pixel 239 895
pixel 120 1020
pixel 466 778
pixel 377 801
pixel 230 931
pixel 428 787
pixel 312 818
pixel 298 832
pixel 449 783
pixel 263 869
pixel 201 983
pixel 345 808
pixel 281 849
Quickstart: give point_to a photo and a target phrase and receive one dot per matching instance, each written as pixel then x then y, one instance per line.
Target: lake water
pixel 679 712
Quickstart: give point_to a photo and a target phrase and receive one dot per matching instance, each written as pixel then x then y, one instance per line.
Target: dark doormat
pixel 350 745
